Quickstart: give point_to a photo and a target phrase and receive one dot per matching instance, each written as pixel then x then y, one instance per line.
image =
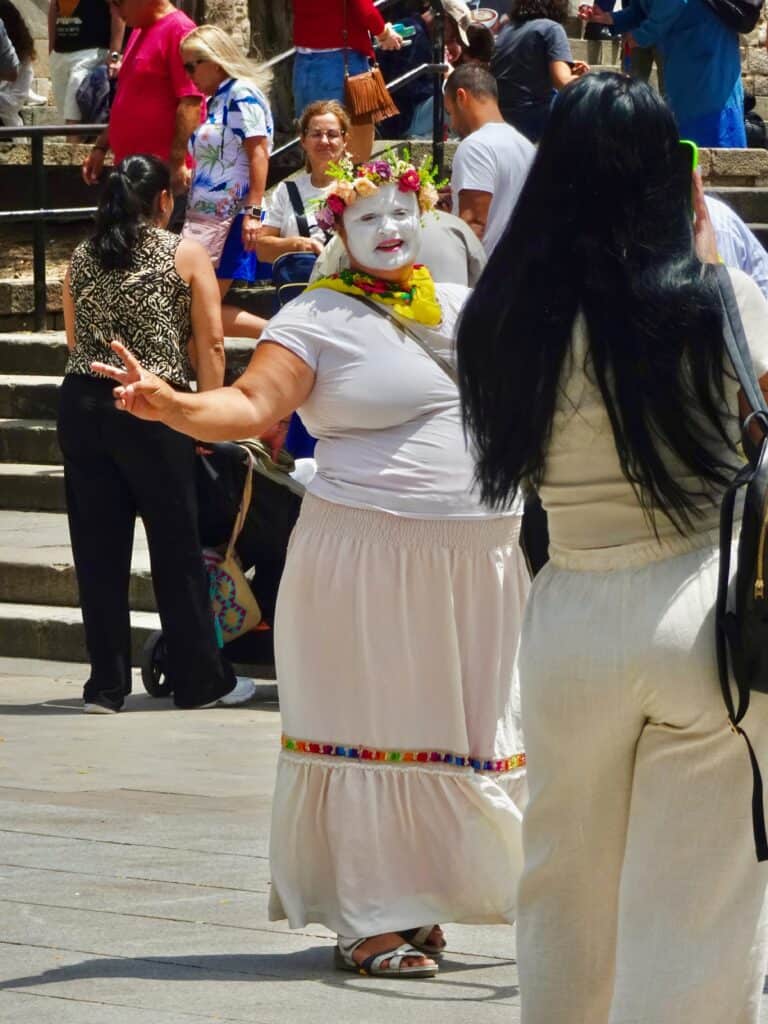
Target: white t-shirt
pixel 496 159
pixel 385 415
pixel 280 212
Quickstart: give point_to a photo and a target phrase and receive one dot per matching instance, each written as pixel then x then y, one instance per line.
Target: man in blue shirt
pixel 702 65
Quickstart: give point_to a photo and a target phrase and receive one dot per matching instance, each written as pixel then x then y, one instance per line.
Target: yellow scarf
pixel 418 302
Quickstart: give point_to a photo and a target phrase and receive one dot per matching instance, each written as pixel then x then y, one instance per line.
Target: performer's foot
pixel 366 955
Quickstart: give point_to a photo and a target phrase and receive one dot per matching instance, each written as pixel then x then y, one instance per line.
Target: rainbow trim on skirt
pixel 358 752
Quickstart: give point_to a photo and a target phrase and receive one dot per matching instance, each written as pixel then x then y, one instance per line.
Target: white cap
pixel 461 14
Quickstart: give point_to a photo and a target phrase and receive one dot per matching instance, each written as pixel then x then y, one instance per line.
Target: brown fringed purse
pixel 366 96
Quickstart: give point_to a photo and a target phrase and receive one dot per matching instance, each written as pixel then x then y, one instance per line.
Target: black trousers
pixel 115 467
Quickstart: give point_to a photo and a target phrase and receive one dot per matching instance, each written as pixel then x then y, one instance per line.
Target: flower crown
pixel 358 182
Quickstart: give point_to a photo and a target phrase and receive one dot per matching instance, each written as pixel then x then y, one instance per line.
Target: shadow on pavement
pixel 313 964
pixel 133 705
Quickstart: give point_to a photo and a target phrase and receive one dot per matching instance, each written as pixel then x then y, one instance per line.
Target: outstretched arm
pixel 275 383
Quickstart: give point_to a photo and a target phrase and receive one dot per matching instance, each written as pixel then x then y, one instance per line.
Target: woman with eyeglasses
pixel 323 129
pixel 231 150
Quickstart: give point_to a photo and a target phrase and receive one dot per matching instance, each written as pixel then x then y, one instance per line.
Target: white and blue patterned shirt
pixel 237 111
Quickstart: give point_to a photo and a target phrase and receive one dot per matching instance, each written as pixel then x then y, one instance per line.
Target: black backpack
pixel 742 629
pixel 740 15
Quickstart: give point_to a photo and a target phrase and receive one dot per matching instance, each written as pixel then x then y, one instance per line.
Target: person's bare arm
pixel 257 151
pixel 187 119
pixel 275 383
pixel 561 73
pixel 68 307
pixel 116 38
pixel 207 346
pixel 269 244
pixel 93 165
pixel 473 209
pixel 53 10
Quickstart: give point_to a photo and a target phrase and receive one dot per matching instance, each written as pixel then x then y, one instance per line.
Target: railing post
pixel 39 232
pixel 438 57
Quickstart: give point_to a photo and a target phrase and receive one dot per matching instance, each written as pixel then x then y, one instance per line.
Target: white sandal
pixel 418 938
pixel 371 966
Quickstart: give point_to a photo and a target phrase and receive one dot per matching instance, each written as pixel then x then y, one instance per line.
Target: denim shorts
pixel 320 76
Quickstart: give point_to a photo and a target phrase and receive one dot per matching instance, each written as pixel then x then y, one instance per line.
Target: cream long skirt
pixel 401 778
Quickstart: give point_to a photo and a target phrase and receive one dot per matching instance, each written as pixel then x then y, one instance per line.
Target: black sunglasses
pixel 190 65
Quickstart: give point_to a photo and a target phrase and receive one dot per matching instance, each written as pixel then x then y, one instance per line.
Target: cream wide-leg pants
pixel 641 900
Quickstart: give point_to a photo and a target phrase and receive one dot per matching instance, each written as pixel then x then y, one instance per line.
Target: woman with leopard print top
pixel 136 281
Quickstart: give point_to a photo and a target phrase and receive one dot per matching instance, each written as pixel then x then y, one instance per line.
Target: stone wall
pixel 755 67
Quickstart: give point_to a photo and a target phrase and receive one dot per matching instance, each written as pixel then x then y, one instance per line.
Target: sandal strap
pixel 348 946
pixel 395 957
pixel 418 936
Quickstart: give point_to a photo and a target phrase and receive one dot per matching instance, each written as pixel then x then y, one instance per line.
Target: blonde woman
pixel 231 149
pixel 323 129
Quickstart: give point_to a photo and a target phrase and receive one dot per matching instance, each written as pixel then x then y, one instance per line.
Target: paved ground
pixel 134 877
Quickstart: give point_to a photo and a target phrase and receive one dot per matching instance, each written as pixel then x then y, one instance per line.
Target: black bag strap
pixel 722 619
pixel 738 350
pixel 298 208
pixel 736 343
pixel 444 365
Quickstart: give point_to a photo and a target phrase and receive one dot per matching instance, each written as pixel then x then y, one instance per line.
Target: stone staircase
pixel 39 604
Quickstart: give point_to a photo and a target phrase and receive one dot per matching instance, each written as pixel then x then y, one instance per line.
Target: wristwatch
pixel 252 211
pixel 114 57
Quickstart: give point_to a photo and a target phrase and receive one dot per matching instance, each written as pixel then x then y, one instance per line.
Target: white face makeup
pixel 383 231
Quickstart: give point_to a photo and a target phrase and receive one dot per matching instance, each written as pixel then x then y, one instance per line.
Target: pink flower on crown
pixel 409 181
pixel 325 219
pixel 380 167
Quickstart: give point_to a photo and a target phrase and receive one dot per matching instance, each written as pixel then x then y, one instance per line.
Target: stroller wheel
pixel 153 666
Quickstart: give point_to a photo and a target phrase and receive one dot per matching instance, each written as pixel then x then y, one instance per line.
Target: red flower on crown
pixel 335 204
pixel 409 181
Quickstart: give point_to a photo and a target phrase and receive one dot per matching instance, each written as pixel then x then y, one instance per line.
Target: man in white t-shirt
pixel 493 158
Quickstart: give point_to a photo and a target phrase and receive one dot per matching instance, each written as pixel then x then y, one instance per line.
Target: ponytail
pixel 127 202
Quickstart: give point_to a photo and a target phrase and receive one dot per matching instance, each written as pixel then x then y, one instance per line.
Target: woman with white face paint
pixel 401 776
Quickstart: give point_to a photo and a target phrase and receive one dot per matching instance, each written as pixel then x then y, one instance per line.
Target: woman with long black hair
pixel 593 368
pixel 157 292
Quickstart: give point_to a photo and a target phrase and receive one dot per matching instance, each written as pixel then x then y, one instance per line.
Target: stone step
pixel 41 353
pixel 37 567
pixel 29 396
pixel 751 204
pixel 30 487
pixel 17 295
pixel 44 354
pixel 26 440
pixel 56 634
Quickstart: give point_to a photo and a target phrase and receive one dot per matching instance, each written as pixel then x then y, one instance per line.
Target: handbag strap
pixel 245 504
pixel 298 208
pixel 444 365
pixel 736 343
pixel 345 41
pixel 738 350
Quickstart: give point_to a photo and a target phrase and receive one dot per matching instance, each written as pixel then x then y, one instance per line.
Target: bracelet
pixel 114 56
pixel 104 149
